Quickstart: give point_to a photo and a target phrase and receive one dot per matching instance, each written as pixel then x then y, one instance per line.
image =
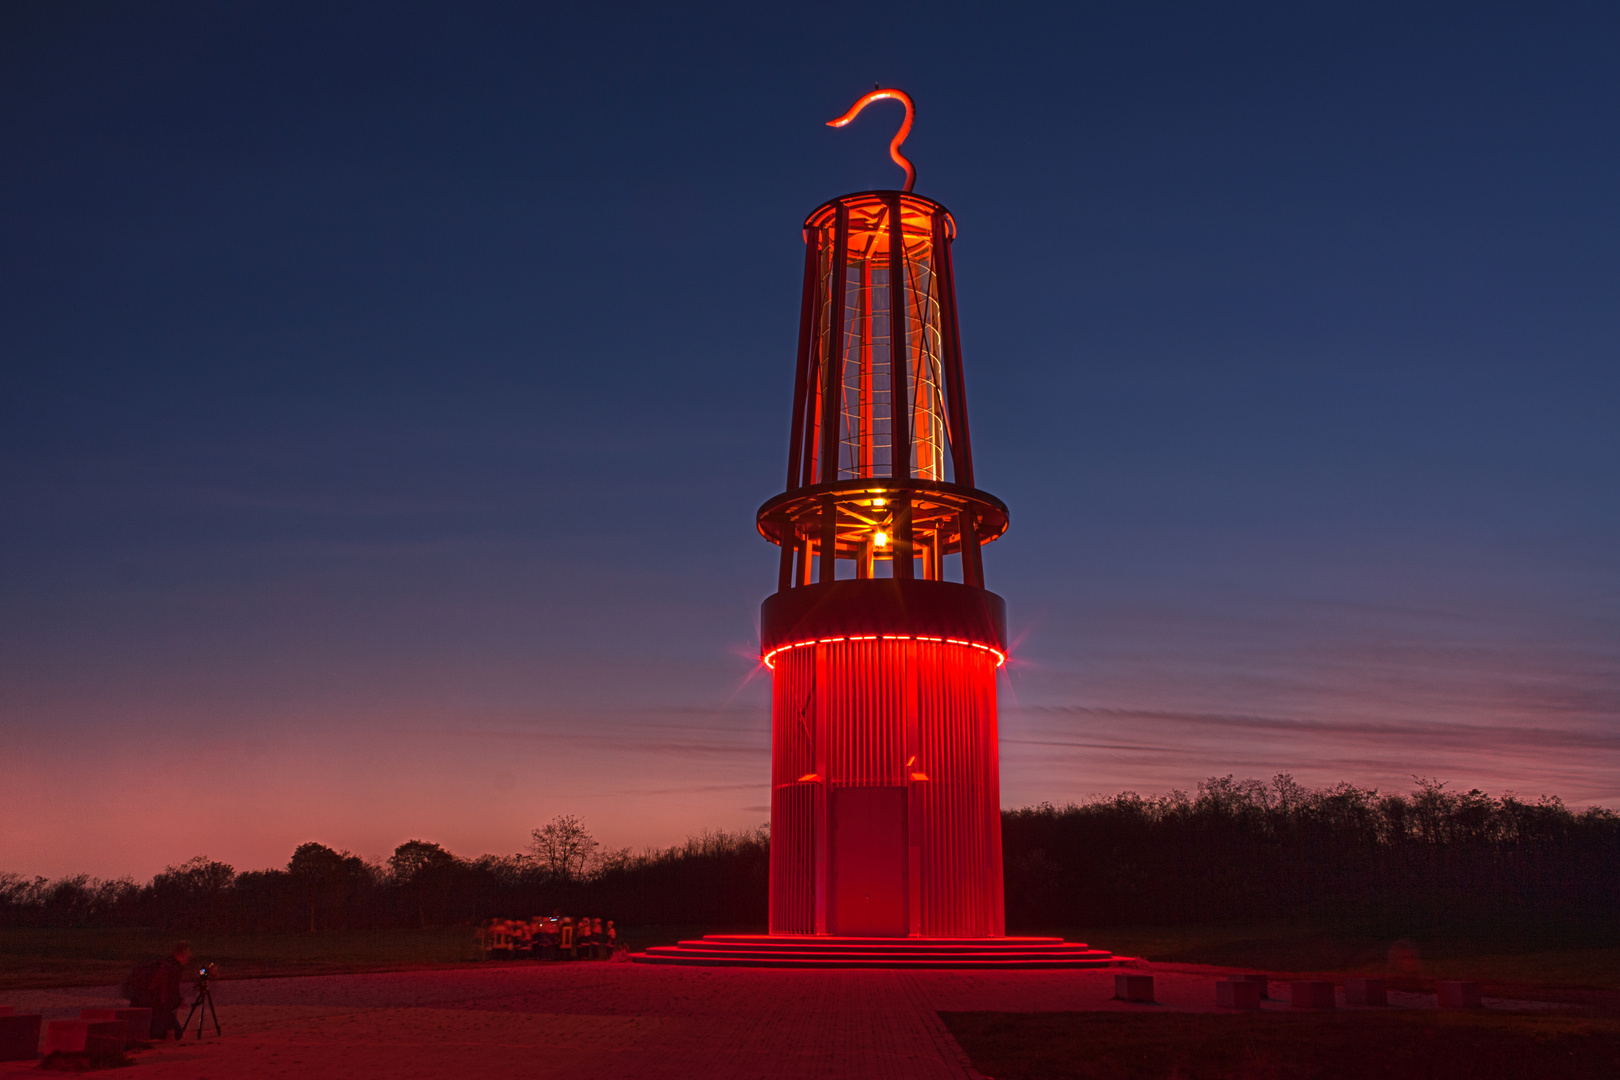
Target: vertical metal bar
pixel 899 354
pixel 955 391
pixel 992 805
pixel 865 406
pixel 904 549
pixel 917 760
pixel 832 381
pixel 818 358
pixel 828 570
pixel 925 403
pixel 820 690
pixel 972 556
pixel 807 335
pixel 784 566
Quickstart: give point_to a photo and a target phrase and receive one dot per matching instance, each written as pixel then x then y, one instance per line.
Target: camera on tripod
pixel 205 997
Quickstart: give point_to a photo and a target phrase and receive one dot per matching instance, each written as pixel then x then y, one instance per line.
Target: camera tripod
pixel 205 994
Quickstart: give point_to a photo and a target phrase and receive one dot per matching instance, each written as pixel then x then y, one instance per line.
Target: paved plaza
pixel 617 1020
pixel 606 1020
pixel 621 1020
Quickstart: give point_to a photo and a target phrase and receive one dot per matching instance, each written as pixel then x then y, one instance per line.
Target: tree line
pixel 1245 849
pixel 716 878
pixel 1236 849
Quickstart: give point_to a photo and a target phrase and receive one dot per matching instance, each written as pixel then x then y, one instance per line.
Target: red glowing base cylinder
pixel 885 793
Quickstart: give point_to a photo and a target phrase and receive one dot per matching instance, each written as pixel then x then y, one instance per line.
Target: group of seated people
pixel 554 937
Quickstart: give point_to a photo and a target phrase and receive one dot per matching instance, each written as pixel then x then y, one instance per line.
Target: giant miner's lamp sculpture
pixel 885 790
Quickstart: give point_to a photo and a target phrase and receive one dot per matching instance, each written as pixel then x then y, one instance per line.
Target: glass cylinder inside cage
pixel 878 347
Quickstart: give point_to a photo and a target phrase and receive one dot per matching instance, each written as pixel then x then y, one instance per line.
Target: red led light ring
pixel 1001 657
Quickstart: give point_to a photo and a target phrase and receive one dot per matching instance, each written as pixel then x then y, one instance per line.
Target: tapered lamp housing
pixel 882 640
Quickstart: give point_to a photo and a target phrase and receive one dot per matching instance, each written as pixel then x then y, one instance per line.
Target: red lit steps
pixel 789 950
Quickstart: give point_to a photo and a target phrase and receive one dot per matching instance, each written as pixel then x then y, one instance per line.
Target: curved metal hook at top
pixel 899 136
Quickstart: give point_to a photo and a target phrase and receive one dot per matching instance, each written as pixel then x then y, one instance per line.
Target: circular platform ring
pixel 888 607
pixel 933 505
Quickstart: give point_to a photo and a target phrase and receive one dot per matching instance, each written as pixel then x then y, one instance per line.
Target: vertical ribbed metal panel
pixel 792 798
pixel 882 704
pixel 959 804
pixel 865 720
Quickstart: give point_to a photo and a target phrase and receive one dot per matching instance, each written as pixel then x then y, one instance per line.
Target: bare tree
pixel 563 848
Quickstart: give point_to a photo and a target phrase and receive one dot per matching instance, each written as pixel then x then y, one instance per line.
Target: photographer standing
pixel 157 986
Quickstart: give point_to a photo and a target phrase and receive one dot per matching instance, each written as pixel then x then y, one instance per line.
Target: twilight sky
pixel 388 390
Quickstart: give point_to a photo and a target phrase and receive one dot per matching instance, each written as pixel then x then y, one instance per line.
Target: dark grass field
pixel 1580 956
pixel 33 959
pixel 1511 958
pixel 41 958
pixel 1304 1046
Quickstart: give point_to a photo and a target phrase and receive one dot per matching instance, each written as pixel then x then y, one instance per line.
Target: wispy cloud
pixel 1604 738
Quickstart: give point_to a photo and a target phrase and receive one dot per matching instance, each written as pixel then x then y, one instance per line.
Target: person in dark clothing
pixel 163 993
pixel 550 934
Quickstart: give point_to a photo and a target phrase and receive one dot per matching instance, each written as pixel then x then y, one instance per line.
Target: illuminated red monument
pixel 882 640
pixel 885 797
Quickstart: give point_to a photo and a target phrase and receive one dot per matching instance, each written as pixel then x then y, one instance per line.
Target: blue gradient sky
pixel 388 390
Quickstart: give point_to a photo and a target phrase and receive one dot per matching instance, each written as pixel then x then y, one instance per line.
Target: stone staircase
pixel 791 950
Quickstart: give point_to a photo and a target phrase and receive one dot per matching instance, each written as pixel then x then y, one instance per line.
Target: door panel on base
pixel 868 851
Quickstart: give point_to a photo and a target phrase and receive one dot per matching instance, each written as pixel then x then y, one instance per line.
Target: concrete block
pixel 66 1036
pixel 1133 988
pixel 1365 992
pixel 1237 994
pixel 1459 995
pixel 19 1036
pixel 1262 981
pixel 86 1036
pixel 1311 994
pixel 140 1024
pixel 106 1037
pixel 137 1021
